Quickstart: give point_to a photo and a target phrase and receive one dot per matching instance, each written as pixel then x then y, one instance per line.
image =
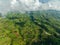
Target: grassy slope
pixel 35 28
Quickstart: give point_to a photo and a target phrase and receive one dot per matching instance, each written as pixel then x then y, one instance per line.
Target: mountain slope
pixel 33 28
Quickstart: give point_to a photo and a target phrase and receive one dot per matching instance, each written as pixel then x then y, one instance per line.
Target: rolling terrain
pixel 30 28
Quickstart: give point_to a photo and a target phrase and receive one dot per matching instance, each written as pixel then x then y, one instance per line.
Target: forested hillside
pixel 30 28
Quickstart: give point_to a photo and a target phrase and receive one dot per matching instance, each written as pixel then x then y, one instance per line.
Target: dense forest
pixel 30 28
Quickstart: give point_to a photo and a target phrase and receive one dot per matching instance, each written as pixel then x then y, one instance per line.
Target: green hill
pixel 33 28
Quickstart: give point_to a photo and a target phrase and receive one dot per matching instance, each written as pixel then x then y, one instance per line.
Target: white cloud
pixel 27 5
pixel 54 5
pixel 13 2
pixel 4 5
pixel 35 4
pixel 50 5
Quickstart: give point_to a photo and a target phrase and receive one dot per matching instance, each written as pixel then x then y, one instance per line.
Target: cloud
pixel 4 6
pixel 29 5
pixel 36 4
pixel 26 5
pixel 13 2
pixel 55 4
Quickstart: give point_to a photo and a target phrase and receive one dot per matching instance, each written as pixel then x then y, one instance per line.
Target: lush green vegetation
pixel 34 28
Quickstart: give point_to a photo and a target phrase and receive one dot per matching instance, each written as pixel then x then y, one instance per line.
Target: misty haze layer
pixel 28 5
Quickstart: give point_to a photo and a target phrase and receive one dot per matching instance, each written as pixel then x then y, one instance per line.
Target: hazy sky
pixel 23 5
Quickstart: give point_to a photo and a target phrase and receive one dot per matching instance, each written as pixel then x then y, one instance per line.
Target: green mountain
pixel 30 28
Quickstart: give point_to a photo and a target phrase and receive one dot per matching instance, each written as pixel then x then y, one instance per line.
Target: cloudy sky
pixel 27 5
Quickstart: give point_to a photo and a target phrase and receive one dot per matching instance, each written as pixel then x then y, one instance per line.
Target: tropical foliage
pixel 33 28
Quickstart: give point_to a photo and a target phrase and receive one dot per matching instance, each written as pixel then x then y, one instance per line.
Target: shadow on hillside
pixel 48 40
